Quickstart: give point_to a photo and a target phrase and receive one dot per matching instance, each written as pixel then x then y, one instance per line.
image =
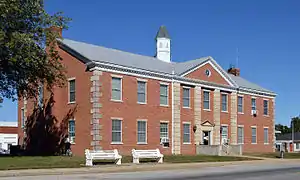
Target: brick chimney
pixel 57 30
pixel 234 71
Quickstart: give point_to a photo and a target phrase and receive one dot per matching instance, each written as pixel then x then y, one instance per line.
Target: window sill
pixel 266 143
pixel 266 115
pixel 240 143
pixel 206 110
pixel 224 111
pixel 116 143
pixel 163 105
pixel 240 112
pixel 114 100
pixel 141 143
pixel 253 143
pixel 73 143
pixel 186 107
pixel 142 103
pixel 72 102
pixel 187 143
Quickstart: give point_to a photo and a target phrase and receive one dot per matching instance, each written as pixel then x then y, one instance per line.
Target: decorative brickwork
pixel 233 119
pixel 197 114
pixel 177 122
pixel 216 116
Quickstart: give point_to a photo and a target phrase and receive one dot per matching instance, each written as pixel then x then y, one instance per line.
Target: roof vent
pixel 233 70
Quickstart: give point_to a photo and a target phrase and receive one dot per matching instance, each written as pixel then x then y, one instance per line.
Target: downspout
pixel 173 128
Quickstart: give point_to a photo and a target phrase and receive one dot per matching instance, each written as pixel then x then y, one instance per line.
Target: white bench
pixel 149 154
pixel 91 155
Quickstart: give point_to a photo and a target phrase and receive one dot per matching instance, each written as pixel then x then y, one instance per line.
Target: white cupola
pixel 163 45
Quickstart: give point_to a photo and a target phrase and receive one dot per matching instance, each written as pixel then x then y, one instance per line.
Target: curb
pixel 125 168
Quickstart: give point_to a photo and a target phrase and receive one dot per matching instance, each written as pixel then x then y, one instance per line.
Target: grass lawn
pixel 275 155
pixel 29 162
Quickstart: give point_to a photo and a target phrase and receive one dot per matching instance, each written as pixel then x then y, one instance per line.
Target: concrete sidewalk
pixel 132 168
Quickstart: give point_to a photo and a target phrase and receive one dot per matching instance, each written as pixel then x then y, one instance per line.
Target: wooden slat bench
pixel 91 155
pixel 148 154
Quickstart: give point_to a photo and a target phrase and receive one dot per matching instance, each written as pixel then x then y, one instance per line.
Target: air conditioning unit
pixel 254 112
pixel 164 140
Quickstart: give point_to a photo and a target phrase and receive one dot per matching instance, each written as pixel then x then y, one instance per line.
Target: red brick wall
pixel 260 121
pixel 8 130
pixel 130 111
pixel 214 77
pixel 187 115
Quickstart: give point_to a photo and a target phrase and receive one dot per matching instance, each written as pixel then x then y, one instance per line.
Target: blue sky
pixel 266 33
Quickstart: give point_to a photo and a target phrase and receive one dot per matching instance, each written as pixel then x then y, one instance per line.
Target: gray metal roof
pixel 163 33
pixel 241 82
pixel 126 59
pixel 288 136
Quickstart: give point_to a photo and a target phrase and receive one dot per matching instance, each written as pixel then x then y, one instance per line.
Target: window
pixel 266 107
pixel 41 95
pixel 206 101
pixel 224 102
pixel 240 135
pixel 141 92
pixel 186 133
pixel 72 131
pixel 22 118
pixel 240 104
pixel 116 131
pixel 253 138
pixel 186 97
pixel 116 89
pixel 253 103
pixel 266 135
pixel 224 132
pixel 297 145
pixel 164 133
pixel 164 94
pixel 72 97
pixel 141 132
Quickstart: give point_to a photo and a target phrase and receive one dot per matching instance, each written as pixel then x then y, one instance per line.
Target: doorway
pixel 206 138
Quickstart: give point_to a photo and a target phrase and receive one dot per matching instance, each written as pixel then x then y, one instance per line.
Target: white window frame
pixel 69 90
pixel 164 84
pixel 268 105
pixel 243 134
pixel 254 127
pixel 146 131
pixel 121 88
pixel 72 141
pixel 226 126
pixel 208 91
pixel 190 140
pixel 242 105
pixel 142 81
pixel 267 135
pixel 164 122
pixel 255 107
pixel 121 130
pixel 189 98
pixel 222 94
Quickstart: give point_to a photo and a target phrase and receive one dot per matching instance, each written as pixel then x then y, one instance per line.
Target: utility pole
pixel 292 124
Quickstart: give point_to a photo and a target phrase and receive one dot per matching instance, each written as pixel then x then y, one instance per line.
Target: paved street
pixel 286 171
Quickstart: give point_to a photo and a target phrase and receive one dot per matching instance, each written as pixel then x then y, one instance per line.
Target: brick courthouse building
pixel 127 101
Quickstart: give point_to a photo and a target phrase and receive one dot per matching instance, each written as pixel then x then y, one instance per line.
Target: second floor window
pixel 22 118
pixel 186 97
pixel 116 89
pixel 206 100
pixel 240 104
pixel 141 92
pixel 72 85
pixel 253 103
pixel 164 94
pixel 224 102
pixel 266 107
pixel 41 95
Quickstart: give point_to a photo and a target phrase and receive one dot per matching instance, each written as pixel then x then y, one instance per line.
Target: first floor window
pixel 41 95
pixel 224 132
pixel 266 135
pixel 186 133
pixel 297 145
pixel 22 118
pixel 116 131
pixel 164 130
pixel 142 132
pixel 240 135
pixel 72 131
pixel 253 137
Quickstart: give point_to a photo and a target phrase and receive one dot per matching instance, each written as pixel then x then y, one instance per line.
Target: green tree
pixel 284 129
pixel 25 62
pixel 296 124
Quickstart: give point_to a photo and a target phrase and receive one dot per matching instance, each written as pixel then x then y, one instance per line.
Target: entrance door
pixel 206 137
